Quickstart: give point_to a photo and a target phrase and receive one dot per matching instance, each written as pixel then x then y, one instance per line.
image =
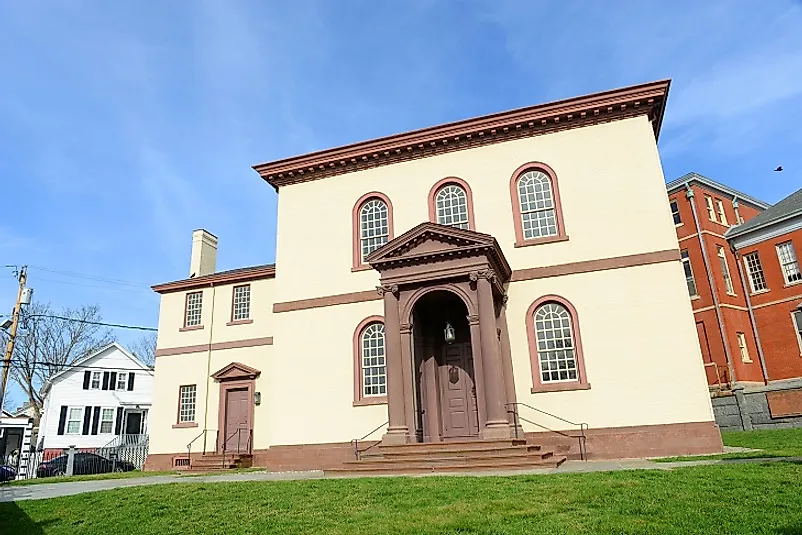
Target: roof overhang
pixel 696 178
pixel 645 99
pixel 234 276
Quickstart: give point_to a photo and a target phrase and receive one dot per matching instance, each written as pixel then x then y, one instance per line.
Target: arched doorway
pixel 444 371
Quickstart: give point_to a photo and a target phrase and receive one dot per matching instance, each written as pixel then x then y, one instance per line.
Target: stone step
pixel 429 468
pixel 452 460
pixel 452 444
pixel 456 451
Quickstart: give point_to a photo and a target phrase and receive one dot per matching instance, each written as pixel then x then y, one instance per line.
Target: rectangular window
pixel 789 263
pixel 686 265
pixel 742 347
pixel 122 381
pixel 755 270
pixel 186 404
pixel 722 216
pixel 75 417
pixel 241 308
pixel 193 311
pixel 675 212
pixel 106 421
pixel 95 380
pixel 797 318
pixel 725 270
pixel 711 212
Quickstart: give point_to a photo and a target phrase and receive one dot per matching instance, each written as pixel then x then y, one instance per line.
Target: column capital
pixel 405 328
pixel 473 319
pixel 504 298
pixel 387 288
pixel 482 274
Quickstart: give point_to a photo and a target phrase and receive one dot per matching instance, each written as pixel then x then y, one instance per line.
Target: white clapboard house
pixel 100 399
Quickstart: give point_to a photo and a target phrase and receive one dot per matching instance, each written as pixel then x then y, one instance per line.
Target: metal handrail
pixel 189 446
pixel 355 442
pixel 238 432
pixel 583 447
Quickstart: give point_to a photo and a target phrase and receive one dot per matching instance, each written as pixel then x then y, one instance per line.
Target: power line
pixel 103 324
pixel 92 277
pixel 71 283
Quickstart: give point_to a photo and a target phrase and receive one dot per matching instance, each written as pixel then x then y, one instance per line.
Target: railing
pixel 203 434
pixel 583 447
pixel 355 443
pixel 129 448
pixel 127 440
pixel 241 447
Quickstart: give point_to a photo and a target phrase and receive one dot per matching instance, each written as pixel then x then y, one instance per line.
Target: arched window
pixel 451 203
pixel 452 206
pixel 370 367
pixel 554 345
pixel 373 226
pixel 536 205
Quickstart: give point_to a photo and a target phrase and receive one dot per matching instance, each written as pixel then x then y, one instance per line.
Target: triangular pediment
pixel 428 239
pixel 236 371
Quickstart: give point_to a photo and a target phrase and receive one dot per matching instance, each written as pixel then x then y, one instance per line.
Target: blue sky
pixel 125 125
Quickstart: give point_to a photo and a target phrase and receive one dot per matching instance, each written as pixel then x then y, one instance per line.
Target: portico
pixel 449 368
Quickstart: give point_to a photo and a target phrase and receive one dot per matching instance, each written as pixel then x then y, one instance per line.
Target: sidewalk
pixel 53 490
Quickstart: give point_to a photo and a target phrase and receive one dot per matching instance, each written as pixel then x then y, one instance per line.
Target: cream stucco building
pixel 499 278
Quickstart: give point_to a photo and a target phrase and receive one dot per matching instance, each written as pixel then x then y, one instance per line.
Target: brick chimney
pixel 204 253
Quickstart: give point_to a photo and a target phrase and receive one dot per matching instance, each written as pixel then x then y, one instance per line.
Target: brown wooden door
pixel 238 424
pixel 458 393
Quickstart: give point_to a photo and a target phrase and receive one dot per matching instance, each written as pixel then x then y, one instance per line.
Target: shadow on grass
pixel 795 529
pixel 16 521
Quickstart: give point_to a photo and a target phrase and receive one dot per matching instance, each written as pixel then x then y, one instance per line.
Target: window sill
pixel 239 322
pixel 678 225
pixel 732 294
pixel 695 297
pixel 363 267
pixel 183 425
pixel 190 328
pixel 789 284
pixel 540 241
pixel 560 387
pixel 750 361
pixel 378 400
pixel 760 292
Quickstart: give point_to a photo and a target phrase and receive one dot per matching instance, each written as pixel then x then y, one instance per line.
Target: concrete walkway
pixel 10 493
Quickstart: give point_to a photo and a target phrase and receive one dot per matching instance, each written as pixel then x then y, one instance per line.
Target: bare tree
pixel 48 342
pixel 144 348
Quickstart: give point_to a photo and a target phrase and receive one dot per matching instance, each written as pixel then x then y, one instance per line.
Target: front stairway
pixel 212 462
pixel 451 457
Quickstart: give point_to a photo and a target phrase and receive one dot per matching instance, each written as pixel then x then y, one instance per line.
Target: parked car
pixel 84 463
pixel 7 474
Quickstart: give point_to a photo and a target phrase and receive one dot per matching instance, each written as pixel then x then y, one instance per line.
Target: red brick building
pixel 704 211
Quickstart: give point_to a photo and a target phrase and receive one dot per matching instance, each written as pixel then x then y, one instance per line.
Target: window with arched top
pixel 451 203
pixel 536 205
pixel 373 226
pixel 555 347
pixel 370 366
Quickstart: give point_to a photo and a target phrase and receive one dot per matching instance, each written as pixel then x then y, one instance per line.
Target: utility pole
pixel 23 276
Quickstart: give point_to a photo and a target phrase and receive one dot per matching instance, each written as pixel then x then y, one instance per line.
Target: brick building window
pixel 725 270
pixel 789 262
pixel 241 307
pixel 722 216
pixel 757 280
pixel 675 212
pixel 451 204
pixel 374 372
pixel 796 317
pixel 711 212
pixel 374 226
pixel 192 316
pixel 742 347
pixel 686 265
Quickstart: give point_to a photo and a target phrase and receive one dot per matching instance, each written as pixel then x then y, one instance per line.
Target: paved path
pixel 51 490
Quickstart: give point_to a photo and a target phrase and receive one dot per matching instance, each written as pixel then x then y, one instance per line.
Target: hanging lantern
pixel 449 333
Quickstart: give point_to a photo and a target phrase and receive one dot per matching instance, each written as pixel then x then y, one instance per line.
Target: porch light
pixel 449 333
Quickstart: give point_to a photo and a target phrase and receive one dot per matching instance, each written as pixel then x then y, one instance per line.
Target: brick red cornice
pixel 645 99
pixel 216 279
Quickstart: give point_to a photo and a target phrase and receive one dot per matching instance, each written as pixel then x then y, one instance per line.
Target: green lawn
pixel 732 499
pixel 772 443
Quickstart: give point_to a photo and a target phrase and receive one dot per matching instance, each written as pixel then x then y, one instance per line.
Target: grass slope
pixel 732 499
pixel 771 442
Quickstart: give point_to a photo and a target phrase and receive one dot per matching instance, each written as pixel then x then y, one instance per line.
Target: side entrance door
pixel 236 432
pixel 133 423
pixel 458 393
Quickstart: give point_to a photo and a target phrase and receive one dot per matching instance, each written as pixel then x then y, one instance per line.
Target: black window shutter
pixel 130 380
pixel 113 381
pixel 62 419
pixel 95 420
pixel 119 425
pixel 105 380
pixel 87 375
pixel 87 420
